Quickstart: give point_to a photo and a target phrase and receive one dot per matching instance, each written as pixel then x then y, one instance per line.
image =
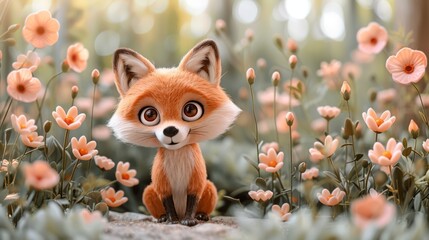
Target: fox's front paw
pixel 162 219
pixel 202 216
pixel 189 222
pixel 172 220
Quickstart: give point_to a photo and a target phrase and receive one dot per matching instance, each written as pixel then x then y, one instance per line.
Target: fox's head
pixel 172 107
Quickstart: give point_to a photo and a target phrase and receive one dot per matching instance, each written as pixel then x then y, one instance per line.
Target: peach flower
pixel 9 166
pixel 83 150
pixel 329 72
pixel 126 176
pixel 269 145
pixel 282 125
pixel 77 57
pixel 292 45
pixel 426 145
pixel 104 162
pixel 32 140
pixel 328 112
pixel 40 175
pixel 413 129
pixel 378 124
pixel 282 211
pixel 69 121
pixel 388 156
pixel 331 199
pixel 40 29
pixel 321 151
pixel 21 125
pixel 408 66
pixel 22 86
pixel 30 61
pixel 112 198
pixel 362 57
pixel 386 96
pixel 372 210
pixel 372 38
pixel 310 173
pixel 271 162
pixel 261 195
pixel 89 217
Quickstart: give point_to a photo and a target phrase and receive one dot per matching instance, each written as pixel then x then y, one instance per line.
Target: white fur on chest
pixel 178 166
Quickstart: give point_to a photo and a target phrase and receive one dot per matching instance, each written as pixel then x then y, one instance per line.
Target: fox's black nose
pixel 170 131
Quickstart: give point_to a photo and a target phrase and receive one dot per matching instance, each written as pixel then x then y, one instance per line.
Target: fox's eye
pixel 149 116
pixel 192 111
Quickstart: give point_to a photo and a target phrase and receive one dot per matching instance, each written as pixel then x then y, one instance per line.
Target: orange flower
pixel 310 173
pixel 328 112
pixel 408 66
pixel 126 176
pixel 282 211
pixel 321 151
pixel 21 125
pixel 40 29
pixel 40 175
pixel 32 140
pixel 331 199
pixel 77 57
pixel 69 121
pixel 89 217
pixel 22 86
pixel 261 195
pixel 378 124
pixel 103 162
pixel 83 150
pixel 388 156
pixel 267 146
pixel 30 61
pixel 271 162
pixel 329 72
pixel 413 129
pixel 372 39
pixel 112 198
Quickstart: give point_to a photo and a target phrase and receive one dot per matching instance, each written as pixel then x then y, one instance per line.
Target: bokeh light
pixel 245 11
pixel 41 5
pixel 383 10
pixel 194 7
pixel 298 9
pixel 332 21
pixel 118 12
pixel 298 29
pixel 143 24
pixel 106 43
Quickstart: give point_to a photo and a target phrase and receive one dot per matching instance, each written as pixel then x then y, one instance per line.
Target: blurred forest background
pixel 164 30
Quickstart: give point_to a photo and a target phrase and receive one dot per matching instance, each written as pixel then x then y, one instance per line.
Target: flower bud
pixel 365 164
pixel 75 91
pixel 47 126
pixel 292 61
pixel 220 26
pixel 290 117
pixel 292 46
pixel 275 78
pixel 261 63
pixel 95 76
pixel 250 75
pixel 348 128
pixel 372 95
pixel 249 34
pixel 10 41
pixel 12 28
pixel 413 129
pixel 279 42
pixel 304 72
pixel 65 66
pixel 346 91
pixel 302 167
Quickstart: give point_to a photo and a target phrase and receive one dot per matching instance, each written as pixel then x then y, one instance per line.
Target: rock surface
pixel 138 226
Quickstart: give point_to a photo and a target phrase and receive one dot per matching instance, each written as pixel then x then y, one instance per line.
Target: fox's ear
pixel 203 60
pixel 129 67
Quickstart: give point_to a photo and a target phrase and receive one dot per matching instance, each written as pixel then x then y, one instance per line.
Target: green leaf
pixel 404 142
pixel 358 156
pixel 331 176
pixel 251 162
pixel 103 208
pixel 407 151
pixel 355 170
pixel 261 183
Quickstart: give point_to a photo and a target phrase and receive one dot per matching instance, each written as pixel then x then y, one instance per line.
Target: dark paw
pixel 202 216
pixel 189 222
pixel 163 218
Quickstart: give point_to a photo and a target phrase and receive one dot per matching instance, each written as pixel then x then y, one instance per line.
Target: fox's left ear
pixel 203 60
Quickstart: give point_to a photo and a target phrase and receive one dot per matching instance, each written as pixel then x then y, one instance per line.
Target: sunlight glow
pixel 245 11
pixel 106 43
pixel 383 10
pixel 194 7
pixel 298 29
pixel 298 9
pixel 332 21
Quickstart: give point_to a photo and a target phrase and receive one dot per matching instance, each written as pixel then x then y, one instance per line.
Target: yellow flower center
pixel 125 176
pixel 387 154
pixel 330 196
pixel 409 69
pixel 112 199
pixel 30 138
pixel 69 120
pixel 83 151
pixel 22 125
pixel 379 121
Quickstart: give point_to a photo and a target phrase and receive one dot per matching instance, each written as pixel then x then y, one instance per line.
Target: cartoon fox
pixel 173 109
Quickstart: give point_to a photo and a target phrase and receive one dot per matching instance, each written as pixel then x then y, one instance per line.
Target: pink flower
pixel 351 69
pixel 40 29
pixel 328 112
pixel 250 75
pixel 372 210
pixel 269 145
pixel 83 150
pixel 426 145
pixel 292 61
pixel 69 121
pixel 321 151
pixel 310 173
pixel 361 57
pixel 386 96
pixel 329 72
pixel 271 162
pixel 30 61
pixel 378 124
pixel 126 176
pixel 261 195
pixel 104 162
pixel 89 217
pixel 413 129
pixel 291 45
pixel 331 199
pixel 40 175
pixel 112 198
pixel 32 140
pixel 21 125
pixel 9 166
pixel 77 57
pixel 388 156
pixel 22 86
pixel 372 39
pixel 283 211
pixel 408 66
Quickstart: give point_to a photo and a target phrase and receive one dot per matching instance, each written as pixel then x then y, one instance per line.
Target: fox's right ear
pixel 129 67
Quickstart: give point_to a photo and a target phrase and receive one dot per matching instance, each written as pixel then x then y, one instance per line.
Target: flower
pixel 362 57
pixel 269 145
pixel 346 90
pixel 294 87
pixel 351 71
pixel 261 63
pixel 321 151
pixel 386 96
pixel 9 166
pixel 331 199
pixel 328 112
pixel 372 38
pixel 112 198
pixel 40 175
pixel 104 162
pixel 40 29
pixel 69 121
pixel 250 76
pixel 21 125
pixel 388 156
pixel 89 217
pixel 30 61
pixel 125 176
pixel 77 57
pixel 310 173
pixel 271 162
pixel 408 66
pixel 275 78
pixel 291 45
pixel 413 129
pixel 32 140
pixel 378 124
pixel 290 118
pixel 22 86
pixel 261 195
pixel 292 61
pixel 83 150
pixel 220 25
pixel 283 211
pixel 426 145
pixel 329 72
pixel 372 210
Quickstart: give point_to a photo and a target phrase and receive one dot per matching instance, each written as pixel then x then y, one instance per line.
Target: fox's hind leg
pixel 207 202
pixel 153 203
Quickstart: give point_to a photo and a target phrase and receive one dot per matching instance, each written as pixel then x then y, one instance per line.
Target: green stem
pixel 290 90
pixel 291 163
pixel 256 128
pixel 327 126
pixel 393 184
pixel 66 136
pixel 376 137
pixel 6 112
pixel 421 102
pixel 415 149
pixel 275 114
pixel 74 169
pixel 39 116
